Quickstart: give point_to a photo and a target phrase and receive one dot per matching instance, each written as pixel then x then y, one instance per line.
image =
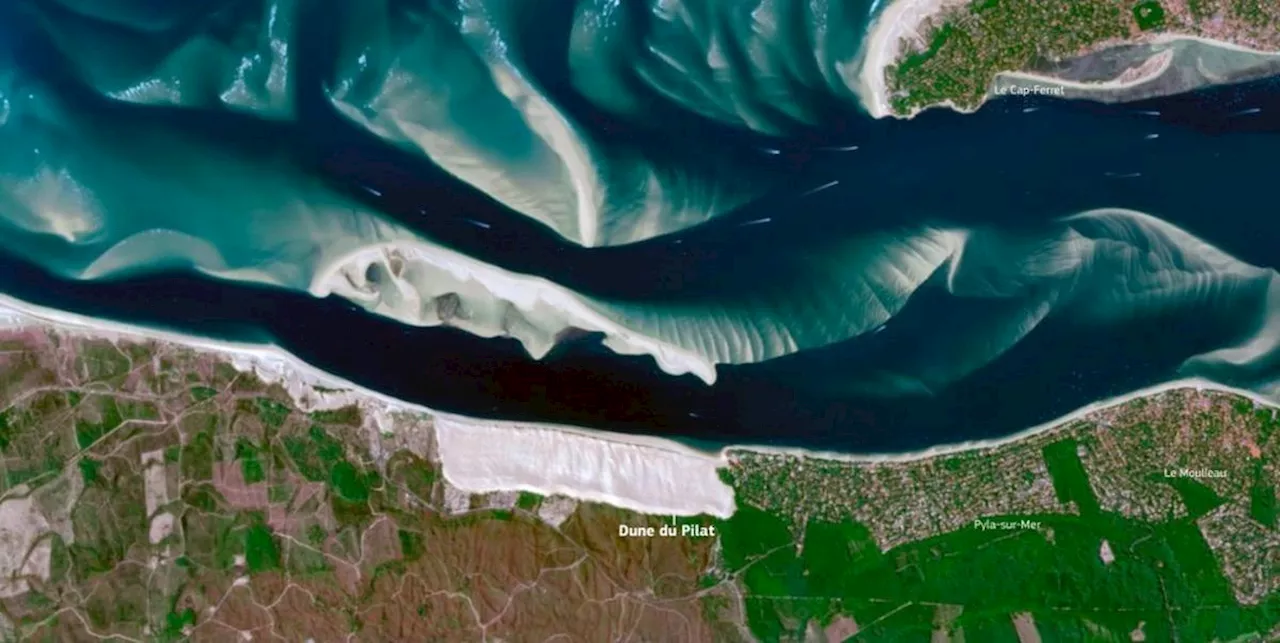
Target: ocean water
pixel 663 218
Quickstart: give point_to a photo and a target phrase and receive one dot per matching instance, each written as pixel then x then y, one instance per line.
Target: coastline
pixel 898 20
pixel 590 465
pixel 622 460
pixel 1199 384
pixel 1159 63
pixel 901 19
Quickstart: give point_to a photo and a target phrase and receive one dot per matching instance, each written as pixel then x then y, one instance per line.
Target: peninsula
pixel 957 53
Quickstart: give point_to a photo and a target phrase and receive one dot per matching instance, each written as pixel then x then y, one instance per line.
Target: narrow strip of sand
pixel 1149 70
pixel 985 445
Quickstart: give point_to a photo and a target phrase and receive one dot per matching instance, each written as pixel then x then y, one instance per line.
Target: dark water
pixel 1016 164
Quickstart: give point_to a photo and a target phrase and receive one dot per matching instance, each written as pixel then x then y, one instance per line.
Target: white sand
pixel 979 445
pixel 483 455
pixel 645 474
pixel 902 19
pixel 21 523
pixel 1220 44
pixel 545 308
pixel 905 19
pixel 648 475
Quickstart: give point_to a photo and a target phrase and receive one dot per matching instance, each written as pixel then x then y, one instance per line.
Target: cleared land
pixel 956 54
pixel 158 493
pixel 172 497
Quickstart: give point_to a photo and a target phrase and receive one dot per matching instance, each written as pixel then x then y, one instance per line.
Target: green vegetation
pixel 411 544
pixel 1197 497
pixel 915 61
pixel 176 622
pixel 1065 532
pixel 314 454
pixel 1263 505
pixel 197 456
pixel 102 361
pixel 261 553
pixel 528 500
pixel 250 459
pixel 966 51
pixel 413 473
pixel 6 428
pixel 316 535
pixel 761 548
pixel 1070 482
pixel 273 413
pixel 1259 13
pixel 963 51
pixel 349 482
pixel 202 393
pixel 1163 576
pixel 1149 15
pixel 347 415
pixel 89 470
pixel 89 432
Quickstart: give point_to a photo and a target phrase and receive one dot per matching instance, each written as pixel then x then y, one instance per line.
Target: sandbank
pixel 547 307
pixel 1150 70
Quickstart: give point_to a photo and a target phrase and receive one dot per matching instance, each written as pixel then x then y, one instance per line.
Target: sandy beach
pixel 640 473
pixel 981 445
pixel 902 20
pixel 643 474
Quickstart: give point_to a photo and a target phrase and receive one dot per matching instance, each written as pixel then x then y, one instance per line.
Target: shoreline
pixel 883 45
pixel 594 449
pixel 1196 383
pixel 1163 61
pixel 903 18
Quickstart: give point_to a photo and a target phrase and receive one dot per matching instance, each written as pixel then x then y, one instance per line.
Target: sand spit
pixel 904 20
pixel 1153 68
pixel 532 310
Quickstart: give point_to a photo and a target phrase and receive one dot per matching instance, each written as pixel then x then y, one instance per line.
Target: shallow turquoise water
pixel 692 182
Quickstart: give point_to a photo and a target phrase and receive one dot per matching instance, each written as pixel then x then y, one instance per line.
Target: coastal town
pixel 239 500
pixel 923 53
pixel 500 321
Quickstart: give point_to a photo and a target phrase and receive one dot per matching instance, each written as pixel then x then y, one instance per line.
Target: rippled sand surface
pixel 693 183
